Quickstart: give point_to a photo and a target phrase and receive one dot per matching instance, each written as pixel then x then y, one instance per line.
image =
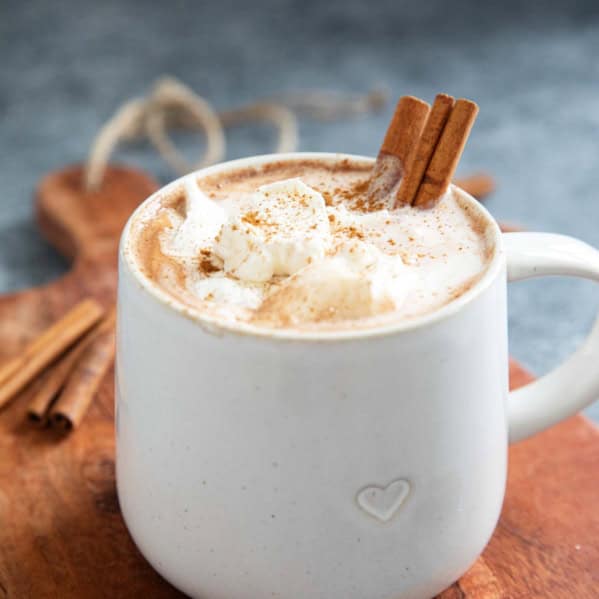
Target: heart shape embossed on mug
pixel 382 503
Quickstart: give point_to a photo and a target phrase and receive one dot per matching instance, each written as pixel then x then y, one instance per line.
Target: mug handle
pixel 574 384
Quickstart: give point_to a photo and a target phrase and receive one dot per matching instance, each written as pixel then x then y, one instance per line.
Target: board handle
pixel 574 384
pixel 77 221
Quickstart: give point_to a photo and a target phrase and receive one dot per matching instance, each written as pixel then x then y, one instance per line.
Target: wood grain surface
pixel 61 532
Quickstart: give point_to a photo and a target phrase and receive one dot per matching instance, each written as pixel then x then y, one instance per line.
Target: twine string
pixel 173 105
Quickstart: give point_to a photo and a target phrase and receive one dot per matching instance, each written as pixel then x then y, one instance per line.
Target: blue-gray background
pixel 533 68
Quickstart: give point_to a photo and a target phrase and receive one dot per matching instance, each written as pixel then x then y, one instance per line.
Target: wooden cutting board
pixel 61 532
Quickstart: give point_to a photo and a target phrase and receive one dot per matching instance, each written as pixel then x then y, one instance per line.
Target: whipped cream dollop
pixel 203 221
pixel 284 228
pixel 356 281
pixel 287 257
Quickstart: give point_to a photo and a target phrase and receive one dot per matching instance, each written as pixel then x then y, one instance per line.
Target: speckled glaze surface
pixel 349 466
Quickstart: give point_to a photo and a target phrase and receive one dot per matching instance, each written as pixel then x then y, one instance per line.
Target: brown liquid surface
pixel 341 182
pixel 345 179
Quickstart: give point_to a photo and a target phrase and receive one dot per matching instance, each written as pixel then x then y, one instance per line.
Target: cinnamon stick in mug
pixel 425 149
pixel 447 154
pixel 398 146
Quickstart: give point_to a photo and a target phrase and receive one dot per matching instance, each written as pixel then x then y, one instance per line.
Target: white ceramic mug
pixel 347 465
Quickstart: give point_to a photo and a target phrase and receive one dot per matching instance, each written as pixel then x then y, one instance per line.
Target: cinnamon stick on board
pixel 425 148
pixel 447 154
pixel 510 227
pixel 12 365
pixel 85 378
pixel 478 186
pixel 54 378
pixel 398 146
pixel 21 370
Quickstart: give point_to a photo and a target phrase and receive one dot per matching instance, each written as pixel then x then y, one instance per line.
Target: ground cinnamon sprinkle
pixel 206 265
pixel 252 218
pixel 357 194
pixel 328 198
pixel 361 186
pixel 353 233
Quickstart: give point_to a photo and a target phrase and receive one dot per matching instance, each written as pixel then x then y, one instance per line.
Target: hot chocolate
pixel 296 244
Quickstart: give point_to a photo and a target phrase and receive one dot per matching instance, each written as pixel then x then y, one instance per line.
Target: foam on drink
pixel 293 244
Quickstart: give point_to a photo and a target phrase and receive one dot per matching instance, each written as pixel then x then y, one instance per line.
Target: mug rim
pixel 217 327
